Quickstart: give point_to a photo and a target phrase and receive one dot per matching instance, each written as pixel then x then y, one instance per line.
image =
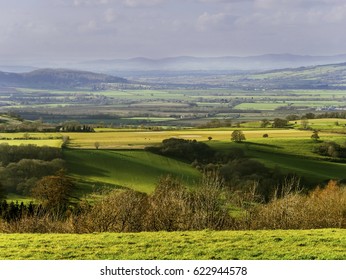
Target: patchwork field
pixel 121 161
pixel 327 244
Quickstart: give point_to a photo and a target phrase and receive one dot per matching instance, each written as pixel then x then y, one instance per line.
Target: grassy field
pixel 327 244
pixel 290 155
pixel 289 149
pixel 129 139
pixel 139 170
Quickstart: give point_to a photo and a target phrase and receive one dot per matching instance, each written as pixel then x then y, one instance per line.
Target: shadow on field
pixel 82 167
pixel 261 145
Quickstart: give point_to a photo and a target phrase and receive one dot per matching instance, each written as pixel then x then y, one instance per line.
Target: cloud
pixel 110 15
pixel 142 3
pixel 207 21
pixel 78 3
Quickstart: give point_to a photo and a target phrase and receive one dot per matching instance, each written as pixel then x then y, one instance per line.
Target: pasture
pixel 326 244
pixel 136 169
pixel 121 161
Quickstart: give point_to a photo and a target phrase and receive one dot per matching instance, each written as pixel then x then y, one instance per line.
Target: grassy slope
pixel 243 245
pixel 139 170
pixel 290 155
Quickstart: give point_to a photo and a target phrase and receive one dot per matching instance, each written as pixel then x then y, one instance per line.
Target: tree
pixel 279 123
pixel 315 136
pixel 97 145
pixel 2 192
pixel 53 191
pixel 238 136
pixel 304 123
pixel 265 123
pixel 210 138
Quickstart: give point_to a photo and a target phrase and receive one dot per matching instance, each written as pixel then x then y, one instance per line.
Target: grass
pixel 33 138
pixel 290 155
pixel 139 170
pixel 326 244
pixel 289 149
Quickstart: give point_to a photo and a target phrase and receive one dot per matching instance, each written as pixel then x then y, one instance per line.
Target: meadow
pixel 325 244
pixel 120 160
pixel 135 169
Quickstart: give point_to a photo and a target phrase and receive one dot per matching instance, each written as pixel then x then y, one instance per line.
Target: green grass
pixel 327 244
pixel 259 106
pixel 290 155
pixel 139 170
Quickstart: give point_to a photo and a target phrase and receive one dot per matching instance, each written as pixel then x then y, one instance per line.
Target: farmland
pixel 328 244
pixel 120 160
pixel 110 166
pixel 134 169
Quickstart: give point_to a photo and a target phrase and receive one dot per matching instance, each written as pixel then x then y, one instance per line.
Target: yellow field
pixel 138 139
pixel 129 139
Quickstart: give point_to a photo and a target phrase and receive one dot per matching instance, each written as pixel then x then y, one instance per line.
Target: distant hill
pixel 56 78
pixel 229 63
pixel 312 77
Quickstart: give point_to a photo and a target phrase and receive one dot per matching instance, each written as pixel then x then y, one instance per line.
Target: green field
pixel 121 161
pixel 136 169
pixel 327 244
pixel 291 155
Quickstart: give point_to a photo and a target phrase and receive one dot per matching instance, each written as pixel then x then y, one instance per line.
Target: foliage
pixel 73 126
pixel 119 211
pixel 20 177
pixel 322 208
pixel 53 191
pixel 265 123
pixel 331 149
pixel 315 136
pixel 172 207
pixel 238 136
pixel 188 150
pixel 10 154
pixel 2 192
pixel 279 123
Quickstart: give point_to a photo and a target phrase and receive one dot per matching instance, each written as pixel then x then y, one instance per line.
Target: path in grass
pixel 223 245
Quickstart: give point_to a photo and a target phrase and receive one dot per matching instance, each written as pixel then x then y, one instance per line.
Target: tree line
pixel 22 166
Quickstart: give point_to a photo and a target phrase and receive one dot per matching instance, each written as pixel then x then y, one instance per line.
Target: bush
pixel 322 208
pixel 119 211
pixel 188 150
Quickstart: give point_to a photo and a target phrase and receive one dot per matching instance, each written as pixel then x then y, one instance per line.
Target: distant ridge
pixel 56 78
pixel 230 63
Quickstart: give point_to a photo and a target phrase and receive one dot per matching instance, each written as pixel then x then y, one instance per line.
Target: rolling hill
pixel 224 63
pixel 56 78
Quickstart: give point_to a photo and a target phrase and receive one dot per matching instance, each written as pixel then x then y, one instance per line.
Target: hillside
pixel 331 76
pixel 56 78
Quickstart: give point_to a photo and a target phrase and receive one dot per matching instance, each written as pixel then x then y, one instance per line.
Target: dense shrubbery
pixel 173 207
pixel 236 170
pixel 188 150
pixel 10 154
pixel 22 166
pixel 331 149
pixel 321 208
pixel 21 176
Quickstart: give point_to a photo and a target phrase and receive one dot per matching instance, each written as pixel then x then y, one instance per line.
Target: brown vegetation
pixel 172 207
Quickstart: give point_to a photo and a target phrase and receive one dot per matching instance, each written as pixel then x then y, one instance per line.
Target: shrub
pixel 119 211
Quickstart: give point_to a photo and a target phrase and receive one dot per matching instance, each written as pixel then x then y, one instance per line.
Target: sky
pixel 58 30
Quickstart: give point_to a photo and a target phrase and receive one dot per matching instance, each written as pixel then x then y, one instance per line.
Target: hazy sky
pixel 92 29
